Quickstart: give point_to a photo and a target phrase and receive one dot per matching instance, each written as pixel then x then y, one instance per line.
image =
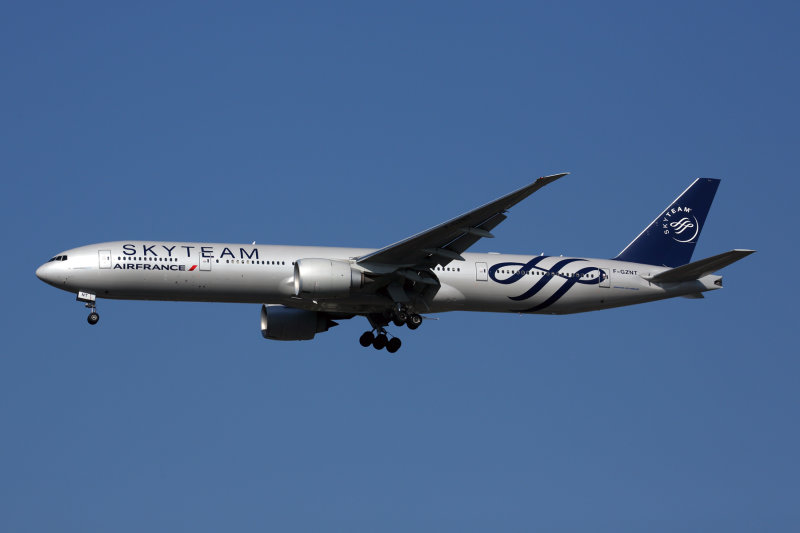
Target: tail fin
pixel 670 239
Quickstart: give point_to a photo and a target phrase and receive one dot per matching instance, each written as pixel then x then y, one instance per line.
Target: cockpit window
pixel 58 258
pixel 63 258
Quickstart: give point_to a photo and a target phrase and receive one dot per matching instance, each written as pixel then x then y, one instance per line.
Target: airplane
pixel 304 290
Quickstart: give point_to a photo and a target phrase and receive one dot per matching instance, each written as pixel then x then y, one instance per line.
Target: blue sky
pixel 358 124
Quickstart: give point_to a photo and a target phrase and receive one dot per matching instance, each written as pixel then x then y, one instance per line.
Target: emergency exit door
pixel 205 263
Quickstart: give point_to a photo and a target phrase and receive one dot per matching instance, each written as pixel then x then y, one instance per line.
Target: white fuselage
pixel 217 272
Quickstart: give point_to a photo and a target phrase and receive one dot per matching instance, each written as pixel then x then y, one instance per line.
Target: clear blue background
pixel 360 124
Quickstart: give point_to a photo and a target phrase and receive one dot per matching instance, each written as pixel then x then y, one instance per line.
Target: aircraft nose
pixel 43 273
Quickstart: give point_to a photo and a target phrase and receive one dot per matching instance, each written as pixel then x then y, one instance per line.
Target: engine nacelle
pixel 325 278
pixel 281 323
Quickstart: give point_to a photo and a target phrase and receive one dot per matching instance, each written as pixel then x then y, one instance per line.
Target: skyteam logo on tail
pixel 670 239
pixel 680 224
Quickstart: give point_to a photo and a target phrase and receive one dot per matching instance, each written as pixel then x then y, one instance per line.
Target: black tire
pixel 397 322
pixel 380 342
pixel 366 339
pixel 393 345
pixel 414 321
pixel 93 318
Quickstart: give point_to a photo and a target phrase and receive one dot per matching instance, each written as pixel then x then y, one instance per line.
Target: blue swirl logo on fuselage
pixel 545 275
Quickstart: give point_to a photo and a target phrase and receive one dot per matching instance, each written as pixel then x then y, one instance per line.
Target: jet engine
pixel 281 323
pixel 325 278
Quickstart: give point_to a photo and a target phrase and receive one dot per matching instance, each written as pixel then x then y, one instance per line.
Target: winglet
pixel 553 177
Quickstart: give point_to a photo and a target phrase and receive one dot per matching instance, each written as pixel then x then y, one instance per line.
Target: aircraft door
pixel 205 263
pixel 481 272
pixel 105 258
pixel 605 278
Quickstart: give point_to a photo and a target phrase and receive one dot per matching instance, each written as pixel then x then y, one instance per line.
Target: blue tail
pixel 670 239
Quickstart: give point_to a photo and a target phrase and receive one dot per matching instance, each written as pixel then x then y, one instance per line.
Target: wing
pixel 447 241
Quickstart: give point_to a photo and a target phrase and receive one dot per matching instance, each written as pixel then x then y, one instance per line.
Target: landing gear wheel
pixel 93 318
pixel 366 339
pixel 393 345
pixel 414 321
pixel 399 317
pixel 380 342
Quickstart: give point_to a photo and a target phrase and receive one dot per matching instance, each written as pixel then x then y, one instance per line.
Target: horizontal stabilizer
pixel 698 269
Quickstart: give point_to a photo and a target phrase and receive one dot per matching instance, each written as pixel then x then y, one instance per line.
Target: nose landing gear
pixel 89 299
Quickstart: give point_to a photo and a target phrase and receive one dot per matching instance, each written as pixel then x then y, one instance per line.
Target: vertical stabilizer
pixel 670 239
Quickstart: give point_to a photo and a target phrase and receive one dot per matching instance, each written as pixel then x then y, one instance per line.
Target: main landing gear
pixel 381 340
